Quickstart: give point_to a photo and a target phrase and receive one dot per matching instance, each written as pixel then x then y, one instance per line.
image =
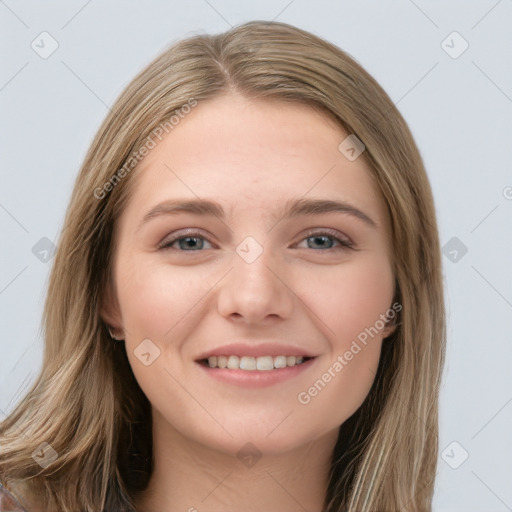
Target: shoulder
pixel 16 496
pixel 8 502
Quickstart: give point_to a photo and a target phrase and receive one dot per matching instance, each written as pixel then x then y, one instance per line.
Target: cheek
pixel 157 302
pixel 154 298
pixel 341 385
pixel 349 299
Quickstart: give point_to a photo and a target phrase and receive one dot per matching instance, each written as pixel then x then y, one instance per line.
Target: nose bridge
pixel 255 289
pixel 255 275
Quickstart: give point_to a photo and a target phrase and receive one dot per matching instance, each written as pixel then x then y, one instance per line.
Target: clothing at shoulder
pixel 8 502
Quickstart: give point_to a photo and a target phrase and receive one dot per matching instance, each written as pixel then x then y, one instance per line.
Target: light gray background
pixel 459 110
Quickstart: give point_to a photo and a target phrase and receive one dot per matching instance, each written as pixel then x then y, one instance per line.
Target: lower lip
pixel 256 378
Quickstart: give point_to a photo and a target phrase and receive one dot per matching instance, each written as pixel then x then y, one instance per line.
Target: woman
pixel 245 310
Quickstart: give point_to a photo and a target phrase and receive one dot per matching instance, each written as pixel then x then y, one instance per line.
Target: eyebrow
pixel 293 208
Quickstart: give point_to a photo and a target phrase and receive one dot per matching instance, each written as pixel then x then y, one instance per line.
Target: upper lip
pixel 252 350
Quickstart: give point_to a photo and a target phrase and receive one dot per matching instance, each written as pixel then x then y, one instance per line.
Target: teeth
pixel 233 362
pixel 280 362
pixel 249 363
pixel 264 363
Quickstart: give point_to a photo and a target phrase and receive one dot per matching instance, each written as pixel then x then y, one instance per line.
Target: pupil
pixel 323 241
pixel 189 242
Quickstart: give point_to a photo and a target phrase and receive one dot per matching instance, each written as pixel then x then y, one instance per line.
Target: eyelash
pixel 343 244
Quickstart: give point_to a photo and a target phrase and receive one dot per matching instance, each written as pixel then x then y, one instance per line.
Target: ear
pixel 393 312
pixel 393 319
pixel 389 328
pixel 110 311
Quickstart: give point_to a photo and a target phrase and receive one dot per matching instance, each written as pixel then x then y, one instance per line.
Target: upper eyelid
pixel 335 233
pixel 192 232
pixel 345 243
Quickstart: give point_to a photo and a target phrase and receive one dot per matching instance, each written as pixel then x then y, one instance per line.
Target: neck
pixel 189 476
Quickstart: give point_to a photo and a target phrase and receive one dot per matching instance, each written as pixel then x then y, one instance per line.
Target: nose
pixel 256 292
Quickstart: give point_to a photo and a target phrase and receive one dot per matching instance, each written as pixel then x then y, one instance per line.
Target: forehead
pixel 254 154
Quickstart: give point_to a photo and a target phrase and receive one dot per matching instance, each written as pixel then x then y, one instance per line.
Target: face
pixel 251 240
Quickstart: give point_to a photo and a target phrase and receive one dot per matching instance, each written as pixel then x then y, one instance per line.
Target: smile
pixel 254 372
pixel 248 363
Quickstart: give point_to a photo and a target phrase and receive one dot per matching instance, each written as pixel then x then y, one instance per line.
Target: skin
pixel 251 156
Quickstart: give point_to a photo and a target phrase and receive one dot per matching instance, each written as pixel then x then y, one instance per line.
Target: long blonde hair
pixel 86 403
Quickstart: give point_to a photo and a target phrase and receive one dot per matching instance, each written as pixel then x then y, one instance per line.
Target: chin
pixel 261 439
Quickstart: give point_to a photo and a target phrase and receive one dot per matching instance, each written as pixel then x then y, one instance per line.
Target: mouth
pixel 255 365
pixel 248 363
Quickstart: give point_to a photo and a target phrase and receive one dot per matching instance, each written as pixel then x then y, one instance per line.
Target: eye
pixel 325 240
pixel 192 241
pixel 316 240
